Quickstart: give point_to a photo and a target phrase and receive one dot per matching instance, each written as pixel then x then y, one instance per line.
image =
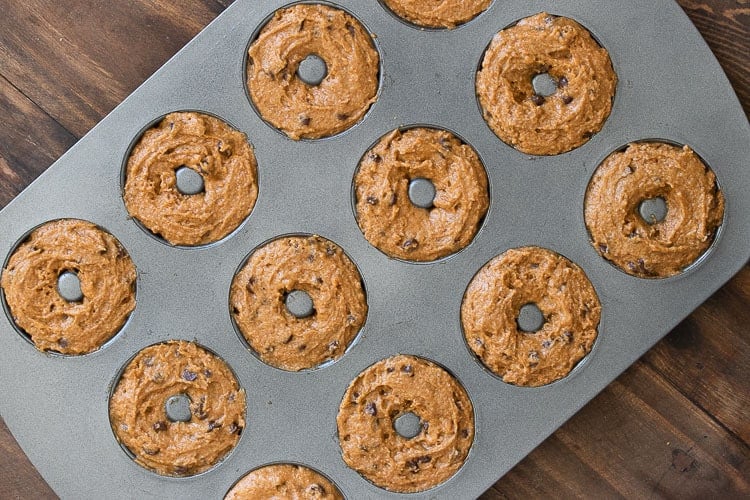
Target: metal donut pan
pixel 670 87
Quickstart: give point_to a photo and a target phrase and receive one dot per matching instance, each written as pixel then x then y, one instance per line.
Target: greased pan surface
pixel 304 187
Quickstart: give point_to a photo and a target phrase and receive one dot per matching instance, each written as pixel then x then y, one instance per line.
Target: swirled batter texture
pixel 311 264
pixel 138 415
pixel 438 13
pixel 208 146
pixel 301 110
pixel 643 171
pixel 563 293
pixel 537 124
pixel 397 227
pixel 383 392
pixel 106 274
pixel 289 481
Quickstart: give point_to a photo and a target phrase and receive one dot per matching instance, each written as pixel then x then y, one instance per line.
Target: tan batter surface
pixel 107 277
pixel 397 227
pixel 345 94
pixel 208 146
pixel 385 391
pixel 586 84
pixel 438 13
pixel 311 264
pixel 139 419
pixel 562 292
pixel 695 209
pixel 284 481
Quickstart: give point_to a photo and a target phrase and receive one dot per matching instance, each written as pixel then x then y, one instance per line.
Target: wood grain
pixel 674 425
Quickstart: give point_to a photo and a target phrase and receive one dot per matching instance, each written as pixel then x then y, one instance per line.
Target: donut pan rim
pixel 57 406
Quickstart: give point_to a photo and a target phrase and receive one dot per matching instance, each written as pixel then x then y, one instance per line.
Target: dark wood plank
pixel 30 141
pixel 78 59
pixel 708 356
pixel 650 442
pixel 674 425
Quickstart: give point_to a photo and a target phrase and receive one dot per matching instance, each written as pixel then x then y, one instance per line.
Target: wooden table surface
pixel 676 424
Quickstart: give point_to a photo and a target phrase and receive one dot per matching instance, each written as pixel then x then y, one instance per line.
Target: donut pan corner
pixel 57 406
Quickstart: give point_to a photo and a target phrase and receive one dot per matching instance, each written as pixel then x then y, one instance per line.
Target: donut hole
pixel 312 70
pixel 188 181
pixel 422 192
pixel 544 84
pixel 69 286
pixel 408 425
pixel 177 408
pixel 299 304
pixel 653 210
pixel 530 318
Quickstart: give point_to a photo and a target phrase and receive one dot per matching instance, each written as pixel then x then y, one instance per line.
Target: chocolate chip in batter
pixel 188 375
pixel 235 429
pixel 160 426
pixel 316 488
pixel 537 99
pixel 372 200
pixel 370 409
pixel 407 369
pixel 213 424
pixel 63 342
pixel 342 116
pixel 410 244
pixel 150 451
pixel 566 99
pixel 304 120
pixel 200 411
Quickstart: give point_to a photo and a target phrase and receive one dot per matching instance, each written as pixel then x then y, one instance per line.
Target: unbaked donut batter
pixel 106 274
pixel 582 70
pixel 311 264
pixel 207 145
pixel 138 416
pixel 284 481
pixel 383 392
pixel 562 292
pixel 438 13
pixel 339 101
pixel 401 229
pixel 695 209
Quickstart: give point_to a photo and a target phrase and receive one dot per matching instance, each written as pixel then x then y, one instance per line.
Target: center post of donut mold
pixel 189 181
pixel 422 192
pixel 312 70
pixel 408 425
pixel 69 286
pixel 299 304
pixel 530 318
pixel 177 408
pixel 653 210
